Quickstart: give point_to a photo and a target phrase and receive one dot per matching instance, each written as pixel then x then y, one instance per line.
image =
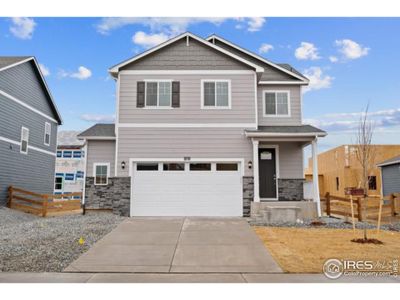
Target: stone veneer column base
pixel 248 194
pixel 290 189
pixel 116 195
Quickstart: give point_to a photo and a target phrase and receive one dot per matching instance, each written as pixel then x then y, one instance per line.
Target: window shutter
pixel 175 94
pixel 140 94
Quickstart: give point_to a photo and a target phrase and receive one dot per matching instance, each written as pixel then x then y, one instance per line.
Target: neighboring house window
pixel 276 103
pixel 101 173
pixel 158 94
pixel 77 154
pixel 337 183
pixel 67 154
pixel 59 153
pixel 79 174
pixel 58 183
pixel 69 176
pixel 216 94
pixel 24 140
pixel 47 132
pixel 372 183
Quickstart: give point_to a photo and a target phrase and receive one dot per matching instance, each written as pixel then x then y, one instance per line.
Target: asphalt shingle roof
pixel 9 60
pixel 99 130
pixel 390 161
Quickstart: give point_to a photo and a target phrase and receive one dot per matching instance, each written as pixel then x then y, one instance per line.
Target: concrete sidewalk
pixel 179 245
pixel 182 278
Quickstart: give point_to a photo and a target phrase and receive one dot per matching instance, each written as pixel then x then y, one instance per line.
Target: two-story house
pixel 203 128
pixel 28 127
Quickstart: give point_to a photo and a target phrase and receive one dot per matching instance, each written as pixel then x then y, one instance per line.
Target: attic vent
pixel 187 41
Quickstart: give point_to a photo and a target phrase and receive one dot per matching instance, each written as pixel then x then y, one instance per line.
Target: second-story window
pixel 216 94
pixel 276 103
pixel 158 93
pixel 47 132
pixel 24 140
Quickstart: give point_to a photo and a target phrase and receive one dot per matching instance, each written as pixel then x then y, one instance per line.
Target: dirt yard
pixel 304 250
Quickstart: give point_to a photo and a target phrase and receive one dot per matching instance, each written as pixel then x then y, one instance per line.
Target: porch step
pixel 276 215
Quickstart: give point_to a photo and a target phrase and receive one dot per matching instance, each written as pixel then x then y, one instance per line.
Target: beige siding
pixel 179 56
pixel 98 152
pixel 182 142
pixel 242 101
pixel 295 105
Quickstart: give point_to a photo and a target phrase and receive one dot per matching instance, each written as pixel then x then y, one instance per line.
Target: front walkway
pixel 179 245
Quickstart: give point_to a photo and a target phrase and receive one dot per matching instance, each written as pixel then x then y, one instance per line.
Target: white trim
pixel 185 125
pixel 94 171
pixel 256 178
pixel 284 134
pixel 4 139
pixel 16 64
pixel 256 98
pixel 101 138
pixel 86 149
pixel 202 106
pixel 22 139
pixel 29 146
pixel 256 56
pixel 277 173
pixel 157 106
pixel 276 104
pixel 388 163
pixel 41 150
pixel 116 68
pixel 282 82
pixel 27 106
pixel 116 128
pixel 47 125
pixel 186 72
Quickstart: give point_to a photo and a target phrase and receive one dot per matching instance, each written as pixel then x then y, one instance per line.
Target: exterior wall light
pixel 123 165
pixel 250 164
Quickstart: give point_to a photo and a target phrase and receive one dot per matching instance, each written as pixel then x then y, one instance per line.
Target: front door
pixel 267 173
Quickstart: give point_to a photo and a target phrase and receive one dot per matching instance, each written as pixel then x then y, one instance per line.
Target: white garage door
pixel 186 189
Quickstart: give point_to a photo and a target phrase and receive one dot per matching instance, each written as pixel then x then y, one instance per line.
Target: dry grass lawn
pixel 304 250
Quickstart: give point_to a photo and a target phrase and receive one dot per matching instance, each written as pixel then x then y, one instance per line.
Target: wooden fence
pixel 43 204
pixel 341 206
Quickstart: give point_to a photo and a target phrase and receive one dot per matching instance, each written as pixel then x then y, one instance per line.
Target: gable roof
pixel 7 62
pixel 286 68
pixel 99 131
pixel 115 69
pixel 391 161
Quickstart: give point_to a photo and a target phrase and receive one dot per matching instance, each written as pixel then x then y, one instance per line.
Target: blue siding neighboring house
pixel 390 170
pixel 28 127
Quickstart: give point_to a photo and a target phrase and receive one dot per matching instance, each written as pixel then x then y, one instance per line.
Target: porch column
pixel 255 171
pixel 315 175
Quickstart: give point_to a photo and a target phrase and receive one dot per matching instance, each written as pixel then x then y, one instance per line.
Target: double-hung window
pixel 101 173
pixel 47 132
pixel 216 93
pixel 58 182
pixel 158 94
pixel 24 140
pixel 276 103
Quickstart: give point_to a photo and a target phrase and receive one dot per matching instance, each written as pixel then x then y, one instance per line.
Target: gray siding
pixel 25 84
pixel 295 106
pixel 34 172
pixel 181 142
pixel 179 56
pixel 242 97
pixel 290 160
pixel 13 116
pixel 98 152
pixel 270 73
pixel 391 179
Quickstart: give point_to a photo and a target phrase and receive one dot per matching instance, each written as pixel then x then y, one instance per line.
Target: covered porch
pixel 278 164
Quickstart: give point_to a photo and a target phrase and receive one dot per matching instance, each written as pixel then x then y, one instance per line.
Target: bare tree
pixel 365 154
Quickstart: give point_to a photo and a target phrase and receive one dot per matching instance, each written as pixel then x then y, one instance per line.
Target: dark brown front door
pixel 267 172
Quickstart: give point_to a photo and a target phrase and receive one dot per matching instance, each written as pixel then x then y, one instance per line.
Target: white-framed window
pixel 24 140
pixel 101 172
pixel 276 103
pixel 58 183
pixel 215 94
pixel 158 93
pixel 47 133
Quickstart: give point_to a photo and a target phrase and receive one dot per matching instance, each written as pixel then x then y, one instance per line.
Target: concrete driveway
pixel 178 245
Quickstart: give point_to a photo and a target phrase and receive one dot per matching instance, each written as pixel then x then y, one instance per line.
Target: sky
pixel 351 62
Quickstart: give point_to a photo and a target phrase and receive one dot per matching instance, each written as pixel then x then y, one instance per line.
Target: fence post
pixel 392 204
pixel 10 196
pixel 328 204
pixel 44 207
pixel 359 209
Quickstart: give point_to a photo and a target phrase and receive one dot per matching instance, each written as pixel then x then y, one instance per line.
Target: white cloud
pixel 307 51
pixel 148 40
pixel 45 70
pixel 255 24
pixel 333 59
pixel 22 28
pixel 351 49
pixel 317 79
pixel 98 118
pixel 265 48
pixel 82 73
